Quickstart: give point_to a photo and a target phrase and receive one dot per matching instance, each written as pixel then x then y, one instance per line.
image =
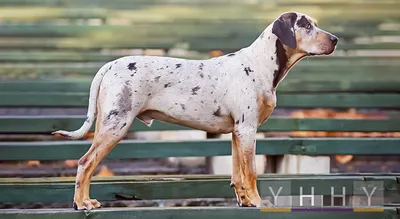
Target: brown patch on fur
pixel 249 175
pixel 236 180
pixel 102 144
pixel 286 58
pixel 265 108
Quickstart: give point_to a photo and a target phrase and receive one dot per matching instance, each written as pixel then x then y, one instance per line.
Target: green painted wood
pixel 208 8
pixel 197 43
pixel 188 177
pixel 91 3
pixel 284 100
pixel 184 28
pixel 187 212
pixel 291 84
pixel 10 56
pixel 341 70
pixel 66 56
pixel 61 150
pixel 179 187
pixel 48 124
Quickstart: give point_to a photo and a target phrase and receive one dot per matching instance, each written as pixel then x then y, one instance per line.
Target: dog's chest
pixel 266 102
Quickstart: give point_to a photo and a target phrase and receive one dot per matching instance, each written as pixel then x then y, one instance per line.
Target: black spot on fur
pixel 215 101
pixel 248 107
pixel 254 80
pixel 242 117
pixel 201 66
pixel 125 100
pixel 303 22
pixel 167 85
pixel 112 113
pixel 110 67
pixel 237 122
pixel 183 106
pixel 231 54
pixel 132 66
pixel 248 70
pixel 217 112
pixel 272 58
pixel 195 89
pixel 281 61
pixel 132 75
pixel 157 78
pixel 149 94
pixel 178 65
pixel 201 75
pixel 123 125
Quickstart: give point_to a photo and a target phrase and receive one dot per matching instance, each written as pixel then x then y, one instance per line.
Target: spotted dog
pixel 234 93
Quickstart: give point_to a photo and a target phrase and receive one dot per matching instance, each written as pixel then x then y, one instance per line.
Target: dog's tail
pixel 91 114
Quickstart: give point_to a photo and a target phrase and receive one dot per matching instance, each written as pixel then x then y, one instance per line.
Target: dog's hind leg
pixel 112 125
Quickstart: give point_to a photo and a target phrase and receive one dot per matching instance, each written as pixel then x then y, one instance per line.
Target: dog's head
pixel 300 32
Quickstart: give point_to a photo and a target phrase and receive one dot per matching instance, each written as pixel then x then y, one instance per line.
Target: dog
pixel 233 93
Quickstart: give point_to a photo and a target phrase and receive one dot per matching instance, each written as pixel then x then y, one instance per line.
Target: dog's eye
pixel 308 26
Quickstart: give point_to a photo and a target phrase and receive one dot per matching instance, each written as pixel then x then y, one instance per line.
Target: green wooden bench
pixel 50 50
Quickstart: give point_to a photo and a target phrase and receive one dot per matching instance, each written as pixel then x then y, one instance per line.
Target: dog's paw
pixel 87 205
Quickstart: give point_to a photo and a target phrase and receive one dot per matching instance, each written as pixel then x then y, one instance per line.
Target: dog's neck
pixel 267 50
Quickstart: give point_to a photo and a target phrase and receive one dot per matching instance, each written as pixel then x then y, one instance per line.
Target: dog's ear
pixel 283 28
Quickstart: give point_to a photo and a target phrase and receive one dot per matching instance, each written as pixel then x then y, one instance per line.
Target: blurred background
pixel 51 49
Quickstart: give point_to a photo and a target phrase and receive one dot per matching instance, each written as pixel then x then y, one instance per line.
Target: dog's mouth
pixel 312 54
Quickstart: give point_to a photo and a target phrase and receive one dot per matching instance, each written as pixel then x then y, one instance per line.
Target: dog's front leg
pixel 244 138
pixel 236 179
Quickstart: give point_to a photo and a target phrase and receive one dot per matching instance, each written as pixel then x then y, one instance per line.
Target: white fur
pixel 189 91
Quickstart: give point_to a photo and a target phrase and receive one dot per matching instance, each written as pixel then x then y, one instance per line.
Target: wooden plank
pixel 11 56
pixel 284 100
pixel 291 84
pixel 197 43
pixel 208 9
pixel 70 56
pixel 190 212
pixel 91 3
pixel 47 124
pixel 48 190
pixel 341 70
pixel 61 150
pixel 242 28
pixel 188 177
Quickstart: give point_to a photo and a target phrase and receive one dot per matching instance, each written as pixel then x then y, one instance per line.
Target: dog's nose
pixel 334 39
